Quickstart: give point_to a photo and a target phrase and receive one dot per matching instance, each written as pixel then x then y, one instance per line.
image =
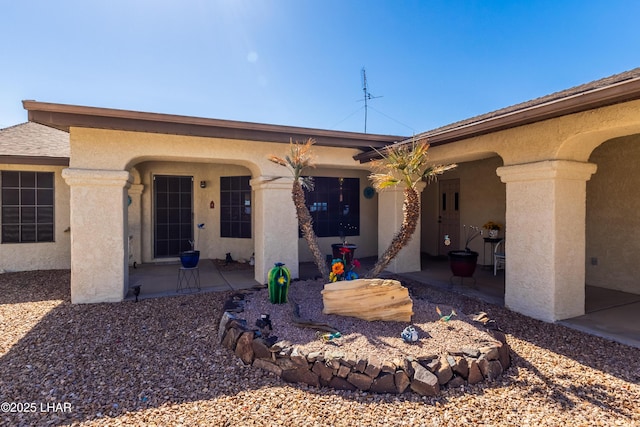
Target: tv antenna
pixel 367 96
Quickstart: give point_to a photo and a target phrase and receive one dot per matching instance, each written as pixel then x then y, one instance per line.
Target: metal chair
pixel 499 257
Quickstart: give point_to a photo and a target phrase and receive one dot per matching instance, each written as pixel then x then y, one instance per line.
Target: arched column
pixel 99 234
pixel 390 216
pixel 545 249
pixel 275 226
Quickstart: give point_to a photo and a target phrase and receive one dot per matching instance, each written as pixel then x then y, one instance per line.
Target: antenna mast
pixel 367 96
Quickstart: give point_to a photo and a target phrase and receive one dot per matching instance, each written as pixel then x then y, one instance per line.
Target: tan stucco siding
pixel 613 219
pixel 45 255
pixel 209 242
pixel 571 137
pixel 119 150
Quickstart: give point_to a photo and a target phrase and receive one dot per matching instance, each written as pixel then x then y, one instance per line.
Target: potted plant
pixel 493 228
pixel 190 259
pixel 463 262
pixel 342 268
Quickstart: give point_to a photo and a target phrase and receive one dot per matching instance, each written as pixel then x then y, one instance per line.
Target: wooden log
pixel 368 299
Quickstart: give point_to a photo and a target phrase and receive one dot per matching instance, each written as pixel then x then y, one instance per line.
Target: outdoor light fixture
pixel 203 184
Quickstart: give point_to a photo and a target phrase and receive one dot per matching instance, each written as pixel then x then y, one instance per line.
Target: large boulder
pixel 368 299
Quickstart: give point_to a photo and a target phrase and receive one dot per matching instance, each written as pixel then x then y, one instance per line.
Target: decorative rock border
pixel 347 371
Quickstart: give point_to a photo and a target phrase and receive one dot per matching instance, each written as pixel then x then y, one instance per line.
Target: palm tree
pixel 406 165
pixel 299 159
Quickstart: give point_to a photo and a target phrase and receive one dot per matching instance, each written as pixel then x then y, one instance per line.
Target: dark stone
pixel 267 366
pixel 471 352
pixel 323 371
pixel 343 371
pixel 231 338
pixel 244 348
pixel 500 336
pixel 361 365
pixel 301 375
pixel 402 381
pixel 361 381
pixel 431 364
pixel 490 352
pixel 490 369
pixel 504 356
pixel 341 384
pixel 385 383
pixel 444 372
pixel 260 349
pixel 455 382
pixel 407 365
pixel 475 376
pixel 424 382
pixel 374 366
pixel 300 361
pixel 459 366
pixel 389 367
pixel 285 363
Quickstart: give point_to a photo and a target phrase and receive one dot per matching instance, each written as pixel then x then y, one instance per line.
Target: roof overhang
pixel 527 113
pixel 35 160
pixel 64 117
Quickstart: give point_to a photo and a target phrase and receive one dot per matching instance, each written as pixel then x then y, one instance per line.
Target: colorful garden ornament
pixel 279 279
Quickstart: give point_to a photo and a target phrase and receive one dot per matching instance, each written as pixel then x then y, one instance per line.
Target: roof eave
pixel 64 116
pixel 35 160
pixel 624 91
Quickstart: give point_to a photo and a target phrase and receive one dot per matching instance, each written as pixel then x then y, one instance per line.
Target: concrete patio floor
pixel 609 314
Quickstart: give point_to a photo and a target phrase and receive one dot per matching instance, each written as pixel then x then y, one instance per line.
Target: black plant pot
pixel 463 263
pixel 189 259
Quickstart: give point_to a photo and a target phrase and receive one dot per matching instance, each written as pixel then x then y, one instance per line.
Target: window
pixel 235 206
pixel 27 207
pixel 334 205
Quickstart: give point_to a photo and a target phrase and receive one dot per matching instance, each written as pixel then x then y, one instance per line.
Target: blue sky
pixel 298 62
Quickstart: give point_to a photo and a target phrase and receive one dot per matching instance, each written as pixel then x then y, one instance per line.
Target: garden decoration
pixel 341 268
pixel 447 317
pixel 409 334
pixel 279 279
pixel 328 336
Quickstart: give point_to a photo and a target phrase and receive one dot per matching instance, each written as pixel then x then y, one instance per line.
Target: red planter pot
pixel 463 263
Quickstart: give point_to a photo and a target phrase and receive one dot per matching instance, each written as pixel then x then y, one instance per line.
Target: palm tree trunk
pixel 306 225
pixel 410 218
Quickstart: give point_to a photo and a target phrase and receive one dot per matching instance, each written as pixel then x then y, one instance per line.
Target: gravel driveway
pixel 157 362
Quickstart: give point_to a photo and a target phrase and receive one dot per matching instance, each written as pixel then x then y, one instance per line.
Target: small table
pixel 493 241
pixel 188 280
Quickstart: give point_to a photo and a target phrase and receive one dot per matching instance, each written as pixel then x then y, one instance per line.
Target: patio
pixel 609 314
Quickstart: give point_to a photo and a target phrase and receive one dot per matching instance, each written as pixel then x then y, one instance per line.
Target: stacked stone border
pixel 347 371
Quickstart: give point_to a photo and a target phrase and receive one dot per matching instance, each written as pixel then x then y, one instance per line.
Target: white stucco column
pixel 135 222
pixel 275 226
pixel 545 238
pixel 390 218
pixel 99 234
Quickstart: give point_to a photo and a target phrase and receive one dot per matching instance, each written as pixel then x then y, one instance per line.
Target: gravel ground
pixel 158 363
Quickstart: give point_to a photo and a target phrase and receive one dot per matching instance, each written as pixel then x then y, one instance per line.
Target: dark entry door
pixel 173 212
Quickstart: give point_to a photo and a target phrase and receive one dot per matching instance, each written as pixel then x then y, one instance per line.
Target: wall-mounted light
pixel 203 184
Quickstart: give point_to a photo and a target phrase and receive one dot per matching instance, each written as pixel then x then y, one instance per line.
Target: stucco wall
pixel 367 241
pixel 613 223
pixel 45 255
pixel 208 240
pixel 482 199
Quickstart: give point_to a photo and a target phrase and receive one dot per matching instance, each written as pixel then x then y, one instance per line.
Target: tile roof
pixel 34 140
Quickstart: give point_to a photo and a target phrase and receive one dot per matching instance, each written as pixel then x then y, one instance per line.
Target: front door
pixel 449 218
pixel 173 215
